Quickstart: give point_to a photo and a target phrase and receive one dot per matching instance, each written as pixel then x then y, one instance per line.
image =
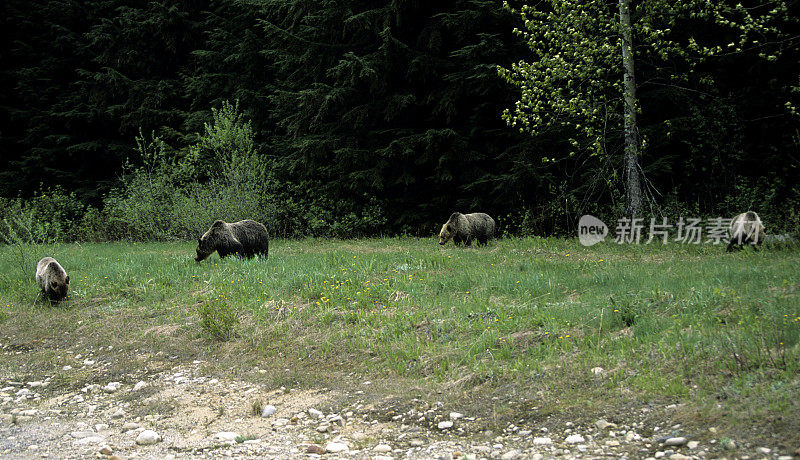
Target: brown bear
pixel 52 278
pixel 246 238
pixel 463 228
pixel 746 228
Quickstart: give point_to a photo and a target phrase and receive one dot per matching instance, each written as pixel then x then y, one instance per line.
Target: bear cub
pixel 52 279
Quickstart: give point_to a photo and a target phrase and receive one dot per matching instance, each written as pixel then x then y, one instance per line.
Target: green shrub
pixel 256 408
pixel 50 216
pixel 168 194
pixel 177 195
pixel 217 319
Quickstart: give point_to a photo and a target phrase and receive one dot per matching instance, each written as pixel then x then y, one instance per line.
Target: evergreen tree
pixel 394 103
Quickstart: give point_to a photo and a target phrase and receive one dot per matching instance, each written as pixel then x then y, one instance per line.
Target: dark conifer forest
pixel 148 120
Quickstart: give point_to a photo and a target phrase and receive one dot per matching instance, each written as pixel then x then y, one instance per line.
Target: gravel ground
pixel 185 413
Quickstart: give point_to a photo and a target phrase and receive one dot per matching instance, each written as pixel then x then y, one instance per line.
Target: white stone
pixel 382 448
pixel 139 385
pixel 574 439
pixel 148 437
pixel 268 410
pixel 511 455
pixel 225 436
pixel 763 450
pixel 676 441
pixel 543 441
pixel 679 456
pixel 632 436
pixel 598 370
pixel 128 426
pixel 89 440
pixel 692 444
pixel 602 424
pixel 119 413
pixel 456 415
pixel 112 387
pixel 335 447
pixel 315 413
pixel 445 425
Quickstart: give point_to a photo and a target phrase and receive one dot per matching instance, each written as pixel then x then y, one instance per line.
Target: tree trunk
pixel 633 185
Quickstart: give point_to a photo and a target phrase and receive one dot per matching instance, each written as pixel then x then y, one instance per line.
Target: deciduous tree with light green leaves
pixel 581 75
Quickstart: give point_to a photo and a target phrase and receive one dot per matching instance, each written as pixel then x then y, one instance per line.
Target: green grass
pixel 528 317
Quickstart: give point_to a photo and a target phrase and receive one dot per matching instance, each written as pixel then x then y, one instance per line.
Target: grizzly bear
pixel 52 278
pixel 246 238
pixel 746 228
pixel 463 228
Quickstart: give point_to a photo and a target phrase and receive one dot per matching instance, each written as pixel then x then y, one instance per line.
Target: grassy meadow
pixel 520 320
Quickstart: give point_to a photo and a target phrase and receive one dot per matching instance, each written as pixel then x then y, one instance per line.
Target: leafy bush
pixel 217 319
pixel 50 216
pixel 177 196
pixel 167 195
pixel 222 176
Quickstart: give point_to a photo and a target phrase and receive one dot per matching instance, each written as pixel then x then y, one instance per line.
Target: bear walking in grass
pixel 52 278
pixel 246 238
pixel 463 228
pixel 746 228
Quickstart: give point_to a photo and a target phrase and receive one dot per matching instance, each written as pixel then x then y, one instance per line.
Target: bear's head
pixel 58 286
pixel 207 244
pixel 447 232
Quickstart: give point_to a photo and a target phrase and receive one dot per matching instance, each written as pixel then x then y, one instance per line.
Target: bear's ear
pixel 67 279
pixel 198 241
pixel 450 229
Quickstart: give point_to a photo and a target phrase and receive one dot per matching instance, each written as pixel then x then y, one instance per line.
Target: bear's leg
pixel 233 249
pixel 730 245
pixel 736 243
